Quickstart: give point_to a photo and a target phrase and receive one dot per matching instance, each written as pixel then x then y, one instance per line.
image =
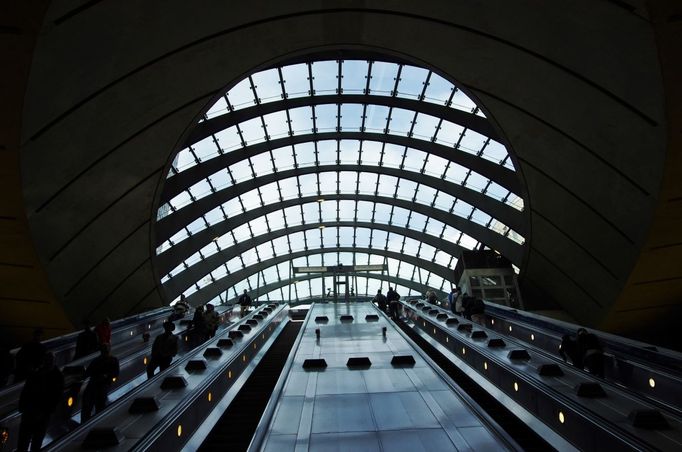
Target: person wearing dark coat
pixel 589 348
pixel 40 396
pixel 199 329
pixel 380 300
pixel 86 342
pixel 244 302
pixel 102 371
pixel 392 297
pixel 165 347
pixel 29 357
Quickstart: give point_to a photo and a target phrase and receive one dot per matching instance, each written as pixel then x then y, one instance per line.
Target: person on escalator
pixel 103 331
pixel 164 348
pixel 477 311
pixel 590 349
pixel 244 302
pixel 380 300
pixel 392 297
pixel 198 331
pixel 102 372
pixel 453 296
pixel 30 356
pixel 212 320
pixel 39 397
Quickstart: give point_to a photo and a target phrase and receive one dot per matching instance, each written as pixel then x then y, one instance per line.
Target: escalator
pixel 236 426
pixel 528 439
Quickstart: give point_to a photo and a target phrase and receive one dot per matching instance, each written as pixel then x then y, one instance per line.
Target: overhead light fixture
pixel 322 226
pixel 320 200
pixel 216 238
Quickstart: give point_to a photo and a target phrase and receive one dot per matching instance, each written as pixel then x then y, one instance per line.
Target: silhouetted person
pixel 477 311
pixel 42 392
pixel 244 302
pixel 86 342
pixel 467 304
pixel 212 320
pixel 103 331
pixel 30 356
pixel 165 347
pixel 180 309
pixel 380 300
pixel 590 350
pixel 6 365
pixel 199 331
pixel 101 371
pixel 568 349
pixel 392 297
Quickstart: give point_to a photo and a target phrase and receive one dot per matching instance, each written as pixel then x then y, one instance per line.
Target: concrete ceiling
pixel 576 91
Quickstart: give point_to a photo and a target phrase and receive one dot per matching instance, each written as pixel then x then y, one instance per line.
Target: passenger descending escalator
pixel 238 423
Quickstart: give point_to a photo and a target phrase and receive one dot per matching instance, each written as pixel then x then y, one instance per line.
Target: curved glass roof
pixel 334 162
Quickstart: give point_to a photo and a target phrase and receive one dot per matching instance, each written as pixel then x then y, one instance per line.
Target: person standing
pixel 380 300
pixel 164 348
pixel 86 342
pixel 477 311
pixel 103 331
pixel 30 356
pixel 452 299
pixel 212 320
pixel 102 371
pixel 244 302
pixel 392 297
pixel 42 392
pixel 590 351
pixel 198 330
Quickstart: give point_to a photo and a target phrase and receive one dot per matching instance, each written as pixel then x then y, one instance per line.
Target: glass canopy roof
pixel 331 162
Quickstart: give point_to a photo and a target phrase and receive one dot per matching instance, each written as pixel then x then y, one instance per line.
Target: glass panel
pixel 241 95
pixel 301 120
pixel 276 124
pixel 383 78
pixel 439 89
pixel 376 117
pixel 368 183
pixel 325 79
pixel 284 158
pixel 414 159
pixel 401 121
pixel 412 81
pixel 267 85
pixel 326 117
pixel 393 155
pixel 296 80
pixel 354 76
pixel 327 152
pixel 351 117
pixel 350 152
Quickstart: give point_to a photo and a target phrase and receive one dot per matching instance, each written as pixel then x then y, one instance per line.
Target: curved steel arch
pixel 202 296
pixel 172 257
pixel 387 278
pixel 214 125
pixel 195 272
pixel 499 174
pixel 185 215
